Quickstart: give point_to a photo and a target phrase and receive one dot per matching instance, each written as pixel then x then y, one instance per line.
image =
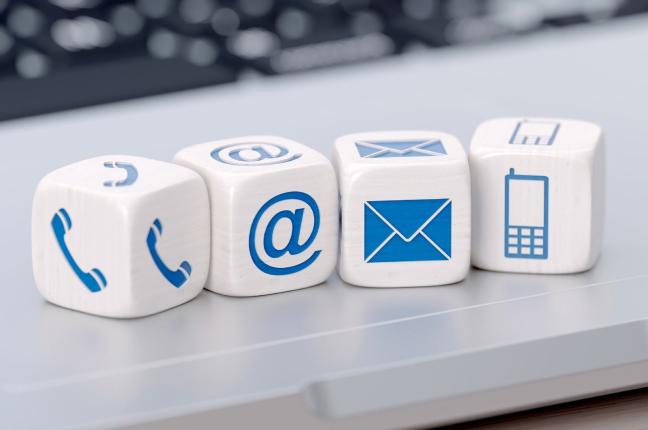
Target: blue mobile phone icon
pixel 176 277
pixel 131 174
pixel 526 216
pixel 94 280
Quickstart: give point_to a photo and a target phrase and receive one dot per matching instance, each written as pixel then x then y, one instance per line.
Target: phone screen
pixel 526 203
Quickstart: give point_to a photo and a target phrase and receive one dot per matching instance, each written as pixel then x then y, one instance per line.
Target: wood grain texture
pixel 537 208
pixel 367 180
pixel 621 411
pixel 274 214
pixel 91 224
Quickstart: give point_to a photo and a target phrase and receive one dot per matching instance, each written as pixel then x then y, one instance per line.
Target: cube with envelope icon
pixel 405 208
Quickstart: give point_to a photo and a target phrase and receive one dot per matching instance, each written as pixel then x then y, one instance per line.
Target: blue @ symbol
pixel 293 247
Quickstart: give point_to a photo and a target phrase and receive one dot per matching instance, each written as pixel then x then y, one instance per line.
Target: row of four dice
pixel 126 236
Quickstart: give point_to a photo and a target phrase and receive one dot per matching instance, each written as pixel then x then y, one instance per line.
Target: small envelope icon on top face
pixel 408 230
pixel 401 148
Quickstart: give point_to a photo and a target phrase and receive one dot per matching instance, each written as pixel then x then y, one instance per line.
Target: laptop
pixel 333 355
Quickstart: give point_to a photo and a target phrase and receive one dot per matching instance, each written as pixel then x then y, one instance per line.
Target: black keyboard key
pixel 431 31
pixel 294 24
pixel 24 21
pixel 264 51
pixel 190 17
pixel 7 54
pixel 127 21
pixel 7 46
pixel 155 9
pixel 254 9
pixel 225 21
pixel 30 64
pixel 199 51
pixel 564 21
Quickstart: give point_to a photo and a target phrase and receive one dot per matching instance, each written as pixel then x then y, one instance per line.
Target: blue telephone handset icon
pixel 94 280
pixel 177 277
pixel 131 174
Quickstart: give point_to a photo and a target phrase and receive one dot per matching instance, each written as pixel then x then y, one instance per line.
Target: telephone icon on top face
pixel 131 174
pixel 93 280
pixel 177 277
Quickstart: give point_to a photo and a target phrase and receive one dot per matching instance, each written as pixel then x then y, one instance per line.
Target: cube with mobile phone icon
pixel 274 213
pixel 538 195
pixel 405 208
pixel 120 236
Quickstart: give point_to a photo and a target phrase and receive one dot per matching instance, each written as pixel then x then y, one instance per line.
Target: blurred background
pixel 62 54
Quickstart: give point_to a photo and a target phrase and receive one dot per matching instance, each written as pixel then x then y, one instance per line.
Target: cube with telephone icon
pixel 538 195
pixel 120 236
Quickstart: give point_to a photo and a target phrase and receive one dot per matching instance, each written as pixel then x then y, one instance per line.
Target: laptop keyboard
pixel 63 54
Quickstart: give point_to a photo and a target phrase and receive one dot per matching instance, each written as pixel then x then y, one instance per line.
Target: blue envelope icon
pixel 408 230
pixel 400 148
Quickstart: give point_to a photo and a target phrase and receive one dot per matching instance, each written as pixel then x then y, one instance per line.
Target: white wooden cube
pixel 405 199
pixel 274 214
pixel 120 236
pixel 538 195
